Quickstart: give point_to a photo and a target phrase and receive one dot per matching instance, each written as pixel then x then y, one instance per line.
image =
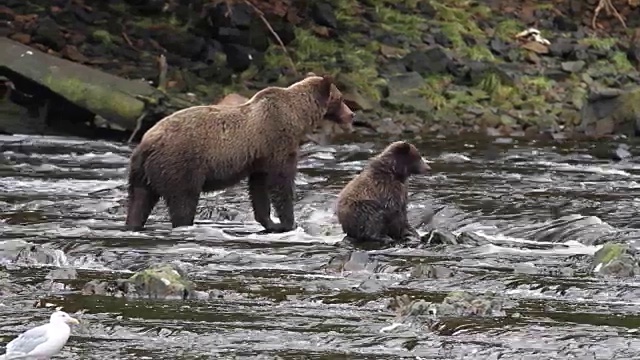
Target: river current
pixel 279 297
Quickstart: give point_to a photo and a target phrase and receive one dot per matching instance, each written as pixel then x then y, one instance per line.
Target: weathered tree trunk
pixel 127 103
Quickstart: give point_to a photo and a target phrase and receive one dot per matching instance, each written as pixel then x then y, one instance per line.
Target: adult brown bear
pixel 372 207
pixel 209 148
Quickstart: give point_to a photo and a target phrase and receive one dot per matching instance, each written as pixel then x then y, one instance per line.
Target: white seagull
pixel 42 342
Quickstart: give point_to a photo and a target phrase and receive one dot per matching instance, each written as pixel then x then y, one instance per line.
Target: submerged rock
pixel 616 259
pixel 40 255
pixel 159 281
pixel 455 304
pixel 588 230
pixel 8 287
pixel 430 271
pixel 351 261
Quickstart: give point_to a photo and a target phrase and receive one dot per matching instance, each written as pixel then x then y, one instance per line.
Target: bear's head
pixel 337 111
pixel 404 159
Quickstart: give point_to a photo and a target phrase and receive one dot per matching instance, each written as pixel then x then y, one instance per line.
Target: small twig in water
pixel 610 9
pixel 135 132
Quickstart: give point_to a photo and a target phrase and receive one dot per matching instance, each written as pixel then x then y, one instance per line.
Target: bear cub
pixel 372 207
pixel 208 148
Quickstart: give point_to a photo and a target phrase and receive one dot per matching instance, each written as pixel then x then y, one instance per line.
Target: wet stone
pixel 62 274
pixel 105 288
pixel 430 271
pixel 39 255
pixel 439 237
pixel 621 152
pixel 455 304
pixel 371 285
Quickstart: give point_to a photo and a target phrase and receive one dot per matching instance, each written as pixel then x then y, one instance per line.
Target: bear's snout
pixel 423 167
pixel 346 117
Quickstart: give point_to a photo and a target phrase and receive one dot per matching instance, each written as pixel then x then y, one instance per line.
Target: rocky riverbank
pixel 407 66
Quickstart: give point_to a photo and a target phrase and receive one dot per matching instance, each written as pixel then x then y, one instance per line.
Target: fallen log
pixel 132 105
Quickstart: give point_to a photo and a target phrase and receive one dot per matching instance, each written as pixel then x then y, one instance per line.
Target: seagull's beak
pixel 73 321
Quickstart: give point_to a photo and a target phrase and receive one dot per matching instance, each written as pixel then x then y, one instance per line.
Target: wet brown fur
pixel 209 148
pixel 373 205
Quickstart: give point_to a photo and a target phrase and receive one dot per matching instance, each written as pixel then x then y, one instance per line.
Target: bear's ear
pixel 324 89
pixel 310 73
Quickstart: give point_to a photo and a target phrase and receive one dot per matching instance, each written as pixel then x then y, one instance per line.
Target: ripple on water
pixel 279 296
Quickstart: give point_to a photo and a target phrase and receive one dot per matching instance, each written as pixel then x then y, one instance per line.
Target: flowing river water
pixel 279 297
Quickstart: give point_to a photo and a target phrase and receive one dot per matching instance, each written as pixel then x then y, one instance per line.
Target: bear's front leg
pixel 400 229
pixel 282 188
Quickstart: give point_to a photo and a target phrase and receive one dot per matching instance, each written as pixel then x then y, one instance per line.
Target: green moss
pixel 506 30
pixel 481 11
pixel 621 62
pixel 536 84
pixel 463 98
pixel 347 11
pixel 609 252
pixel 120 7
pixel 453 31
pixel 477 53
pixel 399 23
pixel 544 6
pixel 433 90
pixel 145 22
pixel 310 53
pixel 630 105
pixel 457 20
pixel 458 14
pixel 95 97
pixel 102 36
pixel 598 43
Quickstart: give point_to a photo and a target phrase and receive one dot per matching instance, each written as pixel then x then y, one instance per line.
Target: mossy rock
pixel 615 259
pixel 162 281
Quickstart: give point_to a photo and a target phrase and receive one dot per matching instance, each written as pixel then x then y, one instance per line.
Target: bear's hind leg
pixel 282 188
pixel 259 194
pixel 141 201
pixel 366 224
pixel 182 208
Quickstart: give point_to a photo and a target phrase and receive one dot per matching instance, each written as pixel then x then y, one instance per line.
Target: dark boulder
pixel 239 57
pixel 147 7
pixel 180 43
pixel 322 14
pixel 434 60
pixel 48 33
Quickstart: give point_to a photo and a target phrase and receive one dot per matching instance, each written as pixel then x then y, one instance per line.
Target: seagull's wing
pixel 27 341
